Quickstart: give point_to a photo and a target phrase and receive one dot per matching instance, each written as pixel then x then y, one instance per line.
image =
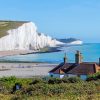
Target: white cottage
pixel 79 68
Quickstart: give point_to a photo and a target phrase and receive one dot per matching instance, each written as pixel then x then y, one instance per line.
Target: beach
pixel 25 70
pixel 15 52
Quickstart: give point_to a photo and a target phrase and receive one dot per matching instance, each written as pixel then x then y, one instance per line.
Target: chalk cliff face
pixel 26 37
pixel 77 42
pixel 71 41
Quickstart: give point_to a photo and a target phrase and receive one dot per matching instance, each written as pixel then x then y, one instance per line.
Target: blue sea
pixel 90 52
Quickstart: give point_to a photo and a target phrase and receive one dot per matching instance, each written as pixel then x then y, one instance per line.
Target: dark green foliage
pixel 8 79
pixel 55 81
pixel 9 82
pixel 63 80
pixel 74 79
pixel 37 80
pixel 48 87
pixel 95 76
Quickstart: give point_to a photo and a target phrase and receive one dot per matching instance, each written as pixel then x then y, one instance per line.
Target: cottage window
pixel 51 75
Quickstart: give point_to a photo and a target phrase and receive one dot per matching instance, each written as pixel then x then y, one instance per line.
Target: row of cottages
pixel 79 68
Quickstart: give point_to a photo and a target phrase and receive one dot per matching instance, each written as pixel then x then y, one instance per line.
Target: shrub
pixel 74 79
pixel 55 81
pixel 37 80
pixel 8 79
pixel 57 89
pixel 95 76
pixel 65 80
pixel 54 87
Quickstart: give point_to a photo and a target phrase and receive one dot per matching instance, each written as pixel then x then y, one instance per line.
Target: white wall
pixel 54 75
pixel 61 76
pixel 71 75
pixel 83 77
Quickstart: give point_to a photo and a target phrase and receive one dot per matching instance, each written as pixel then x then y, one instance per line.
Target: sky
pixel 57 18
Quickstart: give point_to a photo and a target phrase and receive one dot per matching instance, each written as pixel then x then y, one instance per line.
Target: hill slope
pixel 7 25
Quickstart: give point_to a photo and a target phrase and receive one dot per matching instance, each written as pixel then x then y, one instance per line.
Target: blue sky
pixel 57 18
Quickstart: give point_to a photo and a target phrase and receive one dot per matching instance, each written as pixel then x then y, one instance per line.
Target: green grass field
pixel 7 25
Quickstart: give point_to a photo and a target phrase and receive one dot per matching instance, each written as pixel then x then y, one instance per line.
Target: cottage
pixel 79 68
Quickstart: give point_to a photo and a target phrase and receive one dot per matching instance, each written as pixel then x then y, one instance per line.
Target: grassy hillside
pixel 7 25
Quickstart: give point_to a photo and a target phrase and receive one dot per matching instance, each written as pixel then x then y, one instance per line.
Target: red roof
pixel 73 68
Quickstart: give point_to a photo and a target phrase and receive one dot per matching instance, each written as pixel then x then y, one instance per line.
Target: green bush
pixel 8 79
pixel 51 87
pixel 65 80
pixel 75 80
pixel 37 80
pixel 95 76
pixel 55 81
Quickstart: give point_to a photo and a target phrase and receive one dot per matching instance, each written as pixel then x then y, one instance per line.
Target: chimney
pixel 78 57
pixel 65 59
pixel 99 61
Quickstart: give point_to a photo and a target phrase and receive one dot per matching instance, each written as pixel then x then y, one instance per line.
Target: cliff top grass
pixel 7 25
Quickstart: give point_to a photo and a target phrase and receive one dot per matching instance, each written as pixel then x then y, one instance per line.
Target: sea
pixel 90 53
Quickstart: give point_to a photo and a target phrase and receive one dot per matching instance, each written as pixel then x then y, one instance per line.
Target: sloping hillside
pixel 7 25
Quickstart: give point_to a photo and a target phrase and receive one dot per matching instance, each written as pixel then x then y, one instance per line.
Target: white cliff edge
pixel 26 37
pixel 77 42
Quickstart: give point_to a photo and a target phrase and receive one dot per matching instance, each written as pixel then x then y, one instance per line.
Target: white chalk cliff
pixel 77 42
pixel 26 37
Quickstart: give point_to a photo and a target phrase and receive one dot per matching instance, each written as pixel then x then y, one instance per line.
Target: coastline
pixel 23 52
pixel 43 50
pixel 13 52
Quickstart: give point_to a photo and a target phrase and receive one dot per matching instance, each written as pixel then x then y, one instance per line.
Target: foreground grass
pixel 55 97
pixel 49 89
